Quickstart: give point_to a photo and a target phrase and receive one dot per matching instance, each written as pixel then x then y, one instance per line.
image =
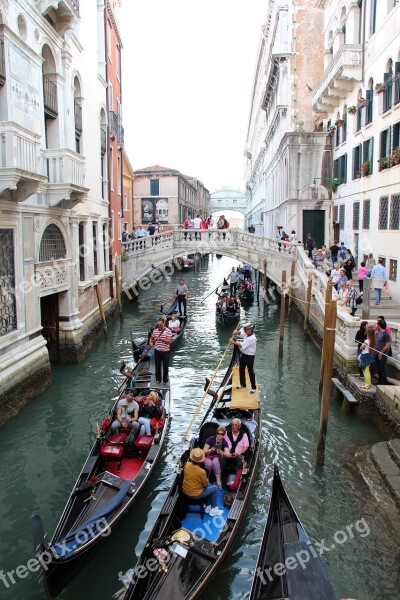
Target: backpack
pixel 226 223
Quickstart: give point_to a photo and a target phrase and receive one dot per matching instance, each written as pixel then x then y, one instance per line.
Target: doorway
pixel 49 316
pixel 314 223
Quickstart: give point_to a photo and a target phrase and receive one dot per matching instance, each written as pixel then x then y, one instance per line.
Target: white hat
pixel 248 326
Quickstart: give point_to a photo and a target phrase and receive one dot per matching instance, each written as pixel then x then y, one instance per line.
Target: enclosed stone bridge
pixel 228 199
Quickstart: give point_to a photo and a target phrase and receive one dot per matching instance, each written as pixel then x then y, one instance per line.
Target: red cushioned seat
pixel 111 451
pixel 124 430
pixel 116 439
pixel 144 442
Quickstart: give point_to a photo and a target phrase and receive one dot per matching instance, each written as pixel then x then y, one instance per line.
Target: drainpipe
pixel 363 8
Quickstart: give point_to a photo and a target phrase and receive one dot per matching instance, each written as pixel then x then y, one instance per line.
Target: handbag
pixel 359 300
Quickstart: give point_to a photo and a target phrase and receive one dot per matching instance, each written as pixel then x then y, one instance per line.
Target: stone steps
pixel 386 457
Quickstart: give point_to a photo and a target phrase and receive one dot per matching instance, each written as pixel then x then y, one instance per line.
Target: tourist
pixel 342 251
pixel 181 293
pixel 174 323
pixel 251 229
pixel 151 229
pixel 126 414
pixel 362 274
pixel 248 344
pixel 370 264
pixel 335 274
pixel 351 297
pixel 196 225
pixel 149 409
pixel 342 279
pixel 348 267
pixel 309 245
pixel 382 347
pixel 238 444
pixel 334 251
pixel 141 232
pixel 195 483
pixel 215 447
pixel 361 336
pixel 161 340
pixel 379 280
pixel 366 357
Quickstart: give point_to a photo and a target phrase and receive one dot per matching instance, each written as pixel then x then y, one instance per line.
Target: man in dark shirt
pixel 309 244
pixel 334 251
pixel 382 346
pixel 151 229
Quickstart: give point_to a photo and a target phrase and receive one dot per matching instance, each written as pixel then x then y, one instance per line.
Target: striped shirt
pixel 159 338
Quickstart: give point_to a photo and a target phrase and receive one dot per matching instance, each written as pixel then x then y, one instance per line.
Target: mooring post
pixel 282 321
pixel 329 350
pixel 265 278
pixel 101 309
pixel 308 302
pixel 366 303
pixel 328 298
pixel 291 283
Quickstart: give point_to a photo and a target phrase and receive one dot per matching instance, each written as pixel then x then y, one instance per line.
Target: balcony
pixel 50 98
pixel 65 170
pixel 61 14
pixel 52 276
pixel 20 164
pixel 339 78
pixel 116 129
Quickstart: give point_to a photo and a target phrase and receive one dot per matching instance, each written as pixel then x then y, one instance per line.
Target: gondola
pixel 245 293
pixel 108 485
pixel 139 347
pixel 286 543
pixel 227 310
pixel 189 545
pixel 187 263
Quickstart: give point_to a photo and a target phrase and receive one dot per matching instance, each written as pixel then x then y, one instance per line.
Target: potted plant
pixel 379 88
pixel 352 110
pixel 365 168
pixel 125 257
pixel 361 102
pixel 383 163
pixel 395 157
pixel 339 122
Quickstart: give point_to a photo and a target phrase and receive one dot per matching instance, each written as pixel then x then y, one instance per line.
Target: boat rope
pixel 206 391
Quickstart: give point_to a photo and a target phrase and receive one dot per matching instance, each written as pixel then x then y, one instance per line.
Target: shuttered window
pixel 383 212
pixel 356 216
pixel 341 216
pixel 366 214
pixel 394 221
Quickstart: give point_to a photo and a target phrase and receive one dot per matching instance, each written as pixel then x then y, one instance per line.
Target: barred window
pixel 356 215
pixel 383 212
pixel 335 214
pixel 392 269
pixel 394 211
pixel 341 216
pixel 383 259
pixel 8 308
pixel 366 214
pixel 52 246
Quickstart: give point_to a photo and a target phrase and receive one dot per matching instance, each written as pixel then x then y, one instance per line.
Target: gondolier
pixel 161 340
pixel 247 344
pixel 181 293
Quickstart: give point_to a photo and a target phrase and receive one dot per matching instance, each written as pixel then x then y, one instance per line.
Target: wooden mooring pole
pixel 101 309
pixel 118 289
pixel 282 321
pixel 328 298
pixel 291 286
pixel 308 302
pixel 265 278
pixel 329 351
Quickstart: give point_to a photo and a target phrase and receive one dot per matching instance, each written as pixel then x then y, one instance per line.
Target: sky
pixel 187 78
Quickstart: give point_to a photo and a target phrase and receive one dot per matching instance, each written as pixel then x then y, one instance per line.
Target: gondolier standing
pixel 181 293
pixel 161 340
pixel 247 344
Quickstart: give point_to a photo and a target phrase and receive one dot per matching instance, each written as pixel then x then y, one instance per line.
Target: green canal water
pixel 43 448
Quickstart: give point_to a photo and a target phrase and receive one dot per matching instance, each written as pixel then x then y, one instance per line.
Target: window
pixel 340 169
pixel 372 24
pixel 357 151
pixel 392 269
pixel 388 91
pixel 111 169
pixel 95 265
pixel 366 214
pixel 396 83
pixel 8 307
pixel 82 252
pixel 105 246
pixel 356 216
pixel 359 117
pixel 360 23
pixel 383 212
pixel 162 210
pixel 52 246
pixel 396 136
pixel 341 216
pixel 394 212
pixel 385 146
pixel 368 157
pixel 344 126
pixel 335 214
pixel 155 187
pixel 78 115
pixel 119 175
pixel 369 106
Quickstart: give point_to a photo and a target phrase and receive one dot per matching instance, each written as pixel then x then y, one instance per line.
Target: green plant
pixel 334 186
pixel 125 257
pixel 379 87
pixel 339 122
pixel 352 110
pixel 361 101
pixel 383 163
pixel 395 157
pixel 365 168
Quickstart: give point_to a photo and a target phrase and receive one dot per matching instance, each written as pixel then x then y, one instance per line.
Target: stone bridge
pixel 148 260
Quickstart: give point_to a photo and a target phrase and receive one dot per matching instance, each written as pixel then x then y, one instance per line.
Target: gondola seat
pixel 112 453
pixel 187 504
pixel 144 442
pixel 118 438
pixel 207 430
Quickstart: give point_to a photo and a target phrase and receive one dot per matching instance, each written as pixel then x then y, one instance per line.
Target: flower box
pixel 379 88
pixel 361 102
pixel 365 168
pixel 352 110
pixel 395 157
pixel 383 163
pixel 339 123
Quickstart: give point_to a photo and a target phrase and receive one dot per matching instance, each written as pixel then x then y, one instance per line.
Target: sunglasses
pixel 220 433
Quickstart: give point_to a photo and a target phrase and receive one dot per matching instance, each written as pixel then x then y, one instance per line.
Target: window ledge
pixel 387 112
pixel 368 125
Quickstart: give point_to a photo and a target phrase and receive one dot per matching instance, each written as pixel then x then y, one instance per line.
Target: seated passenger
pixel 231 307
pixel 174 323
pixel 195 483
pixel 149 409
pixel 238 444
pixel 215 447
pixel 126 414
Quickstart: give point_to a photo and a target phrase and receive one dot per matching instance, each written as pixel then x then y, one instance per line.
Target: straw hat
pixel 197 455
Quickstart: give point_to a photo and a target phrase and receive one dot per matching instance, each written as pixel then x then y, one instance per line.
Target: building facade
pixel 288 158
pixel 54 202
pixel 359 97
pixel 166 196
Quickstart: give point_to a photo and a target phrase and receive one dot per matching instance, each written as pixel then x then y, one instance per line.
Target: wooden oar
pixel 205 392
pixel 212 291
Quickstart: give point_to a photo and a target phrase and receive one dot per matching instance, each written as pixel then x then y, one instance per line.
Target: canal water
pixel 43 449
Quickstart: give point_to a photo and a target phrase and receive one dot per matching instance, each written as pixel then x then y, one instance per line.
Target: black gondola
pixel 107 487
pixel 246 291
pixel 189 545
pixel 139 347
pixel 285 542
pixel 227 309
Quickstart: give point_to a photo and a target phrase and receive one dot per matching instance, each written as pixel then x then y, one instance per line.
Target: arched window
pixel 78 115
pixel 388 92
pixel 162 210
pixel 50 98
pixel 52 246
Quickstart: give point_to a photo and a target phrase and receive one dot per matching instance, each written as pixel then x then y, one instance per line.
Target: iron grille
pixel 383 212
pixel 52 246
pixel 356 215
pixel 392 269
pixel 366 213
pixel 341 216
pixel 8 309
pixel 394 211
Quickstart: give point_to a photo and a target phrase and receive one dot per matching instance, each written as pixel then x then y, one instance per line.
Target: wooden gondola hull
pixel 285 542
pixel 226 320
